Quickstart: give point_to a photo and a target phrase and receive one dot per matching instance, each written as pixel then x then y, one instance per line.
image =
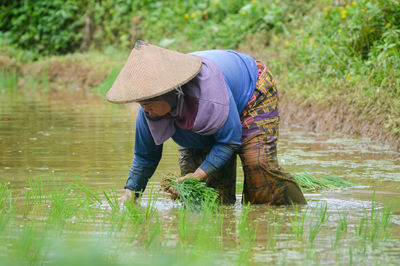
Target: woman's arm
pixel 146 159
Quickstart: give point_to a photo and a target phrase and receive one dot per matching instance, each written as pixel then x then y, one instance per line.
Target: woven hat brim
pixel 151 71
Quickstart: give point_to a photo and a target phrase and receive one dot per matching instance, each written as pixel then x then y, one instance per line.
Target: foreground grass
pixel 56 223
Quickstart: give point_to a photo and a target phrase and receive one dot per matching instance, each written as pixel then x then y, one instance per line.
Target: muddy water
pixel 94 141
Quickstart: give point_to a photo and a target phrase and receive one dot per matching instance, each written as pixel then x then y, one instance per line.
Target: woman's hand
pixel 199 174
pixel 127 196
pixel 173 194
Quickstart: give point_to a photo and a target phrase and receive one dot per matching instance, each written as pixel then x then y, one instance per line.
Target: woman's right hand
pixel 127 196
pixel 173 194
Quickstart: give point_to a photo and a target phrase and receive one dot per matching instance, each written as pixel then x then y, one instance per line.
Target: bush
pixel 58 27
pixel 358 39
pixel 47 27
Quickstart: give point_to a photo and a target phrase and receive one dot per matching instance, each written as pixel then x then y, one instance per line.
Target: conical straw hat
pixel 152 71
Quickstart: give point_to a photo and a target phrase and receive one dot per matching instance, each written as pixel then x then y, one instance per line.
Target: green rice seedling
pixel 134 213
pixel 59 202
pixel 34 194
pixel 116 223
pixel 247 234
pixel 380 225
pixel 315 226
pixel 36 191
pixel 297 221
pixel 29 246
pixel 112 199
pixel 193 193
pixel 209 230
pixel 140 218
pixel 324 213
pixel 5 219
pixel 373 226
pixel 64 205
pixel 341 227
pixel 386 221
pixel 7 200
pixel 360 228
pixel 7 204
pixel 28 203
pixel 153 233
pixel 308 182
pixel 183 227
pixel 115 219
pixel 343 222
pixel 204 239
pixel 246 228
pixel 131 220
pixel 273 230
pixel 336 182
pixel 219 218
pixel 314 230
pixel 150 206
pixel 83 187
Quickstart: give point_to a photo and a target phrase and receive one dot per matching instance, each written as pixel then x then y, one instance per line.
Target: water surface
pixel 94 141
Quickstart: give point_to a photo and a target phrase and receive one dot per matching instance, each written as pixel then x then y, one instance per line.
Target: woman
pixel 213 104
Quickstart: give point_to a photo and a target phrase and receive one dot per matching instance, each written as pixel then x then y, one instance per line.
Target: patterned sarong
pixel 265 181
pixel 261 112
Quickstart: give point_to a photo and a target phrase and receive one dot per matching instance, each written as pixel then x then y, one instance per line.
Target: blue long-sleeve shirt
pixel 240 75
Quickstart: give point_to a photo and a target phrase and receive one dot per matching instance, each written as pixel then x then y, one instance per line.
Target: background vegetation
pixel 329 52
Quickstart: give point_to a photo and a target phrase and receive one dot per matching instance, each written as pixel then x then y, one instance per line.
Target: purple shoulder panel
pixel 189 113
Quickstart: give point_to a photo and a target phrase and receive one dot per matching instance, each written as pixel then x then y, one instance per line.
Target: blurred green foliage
pixel 318 48
pixel 58 26
pixel 360 39
pixel 46 27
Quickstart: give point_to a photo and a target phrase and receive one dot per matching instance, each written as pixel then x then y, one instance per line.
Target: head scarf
pixel 162 128
pixel 209 90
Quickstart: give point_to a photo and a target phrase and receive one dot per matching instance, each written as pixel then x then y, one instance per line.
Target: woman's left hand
pixel 199 174
pixel 180 179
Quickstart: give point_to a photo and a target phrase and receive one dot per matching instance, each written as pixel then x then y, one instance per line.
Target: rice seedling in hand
pixel 192 193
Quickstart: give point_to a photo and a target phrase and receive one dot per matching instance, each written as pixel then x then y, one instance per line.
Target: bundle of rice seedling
pixel 307 182
pixel 192 193
pixel 336 181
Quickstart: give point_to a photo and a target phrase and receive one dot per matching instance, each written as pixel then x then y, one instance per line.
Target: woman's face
pixel 156 108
